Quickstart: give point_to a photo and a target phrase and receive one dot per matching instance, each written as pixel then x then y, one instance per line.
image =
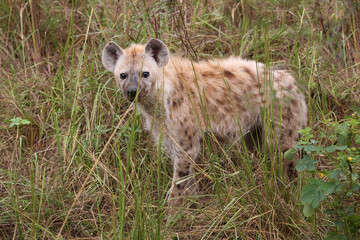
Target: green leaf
pixel 316 199
pixel 339 187
pixel 357 139
pixel 319 149
pixel 289 154
pixel 314 181
pixel 24 121
pixel 331 149
pixel 306 163
pixel 334 174
pixel 300 167
pixel 311 165
pixel 309 148
pixel 342 147
pixel 307 198
pixel 308 210
pixel 328 187
pixel 356 187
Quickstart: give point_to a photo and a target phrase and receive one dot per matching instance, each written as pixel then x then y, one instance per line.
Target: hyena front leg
pixel 184 156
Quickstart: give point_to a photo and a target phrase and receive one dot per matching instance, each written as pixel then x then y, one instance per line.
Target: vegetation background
pixel 74 162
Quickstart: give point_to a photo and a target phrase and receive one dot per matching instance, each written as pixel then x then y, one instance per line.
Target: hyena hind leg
pixel 283 132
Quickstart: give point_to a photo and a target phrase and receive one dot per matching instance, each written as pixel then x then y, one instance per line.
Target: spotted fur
pixel 184 99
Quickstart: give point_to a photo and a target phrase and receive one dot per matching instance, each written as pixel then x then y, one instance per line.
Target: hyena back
pixel 184 99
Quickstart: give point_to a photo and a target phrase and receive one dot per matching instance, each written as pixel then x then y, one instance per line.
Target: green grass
pixel 83 168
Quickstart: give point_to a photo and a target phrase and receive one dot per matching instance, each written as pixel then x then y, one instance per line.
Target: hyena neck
pixel 154 103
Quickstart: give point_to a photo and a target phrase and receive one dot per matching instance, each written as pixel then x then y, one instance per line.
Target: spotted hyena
pixel 181 100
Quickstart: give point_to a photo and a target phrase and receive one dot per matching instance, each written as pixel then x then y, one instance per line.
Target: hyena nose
pixel 131 93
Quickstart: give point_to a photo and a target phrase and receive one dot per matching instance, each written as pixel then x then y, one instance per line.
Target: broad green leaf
pixel 309 148
pixel 24 121
pixel 319 149
pixel 310 188
pixel 289 154
pixel 356 187
pixel 301 167
pixel 339 187
pixel 308 210
pixel 357 139
pixel 334 174
pixel 316 199
pixel 307 198
pixel 311 166
pixel 331 149
pixel 328 187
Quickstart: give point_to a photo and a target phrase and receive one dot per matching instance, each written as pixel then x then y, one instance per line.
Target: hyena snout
pixel 131 92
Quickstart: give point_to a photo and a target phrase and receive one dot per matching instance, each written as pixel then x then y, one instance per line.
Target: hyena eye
pixel 146 74
pixel 123 75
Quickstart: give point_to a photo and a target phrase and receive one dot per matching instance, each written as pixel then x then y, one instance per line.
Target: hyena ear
pixel 158 50
pixel 111 53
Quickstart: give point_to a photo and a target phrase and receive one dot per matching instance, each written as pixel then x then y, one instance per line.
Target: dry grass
pixel 84 169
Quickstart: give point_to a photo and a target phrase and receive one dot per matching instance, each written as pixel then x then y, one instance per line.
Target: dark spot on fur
pixel 294 102
pixel 208 74
pixel 228 109
pixel 237 98
pixel 249 72
pixel 220 101
pixel 228 74
pixel 249 88
pixel 241 107
pixel 180 75
pixel 181 86
pixel 183 174
pixel 190 138
pixel 290 132
pixel 187 147
pixel 289 113
pixel 175 104
pixel 289 87
pixel 186 132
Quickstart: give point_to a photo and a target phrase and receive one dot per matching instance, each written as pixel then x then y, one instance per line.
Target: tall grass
pixel 83 168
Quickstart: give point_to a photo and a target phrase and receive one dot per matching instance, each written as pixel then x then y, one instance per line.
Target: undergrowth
pixel 75 163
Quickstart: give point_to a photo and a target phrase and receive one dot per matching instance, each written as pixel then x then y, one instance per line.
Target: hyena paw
pixel 179 191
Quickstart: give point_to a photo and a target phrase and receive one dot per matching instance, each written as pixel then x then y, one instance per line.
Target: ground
pixel 74 161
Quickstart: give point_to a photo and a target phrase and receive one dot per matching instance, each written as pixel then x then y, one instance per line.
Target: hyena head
pixel 136 68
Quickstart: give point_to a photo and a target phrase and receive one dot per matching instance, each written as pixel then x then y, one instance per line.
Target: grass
pixel 82 168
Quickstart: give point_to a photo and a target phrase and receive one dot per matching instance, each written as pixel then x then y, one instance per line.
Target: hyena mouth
pixel 131 95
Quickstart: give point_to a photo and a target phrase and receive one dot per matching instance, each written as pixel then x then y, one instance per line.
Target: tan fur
pixel 184 99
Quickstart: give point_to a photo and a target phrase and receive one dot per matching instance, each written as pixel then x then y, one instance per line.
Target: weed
pixel 83 168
